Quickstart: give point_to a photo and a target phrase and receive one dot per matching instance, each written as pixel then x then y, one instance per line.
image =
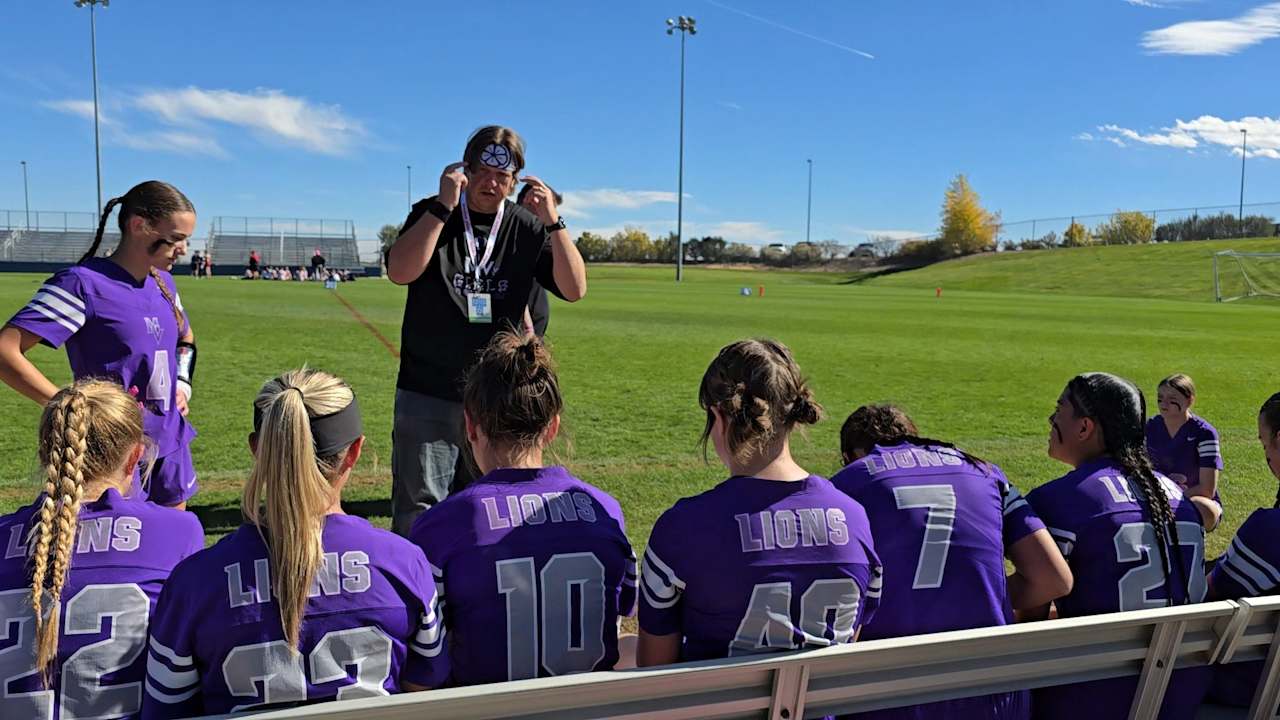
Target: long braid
pixel 164 290
pixel 1137 468
pixel 64 486
pixel 102 226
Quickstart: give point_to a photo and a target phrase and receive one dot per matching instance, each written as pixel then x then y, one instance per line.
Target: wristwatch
pixel 557 225
pixel 439 209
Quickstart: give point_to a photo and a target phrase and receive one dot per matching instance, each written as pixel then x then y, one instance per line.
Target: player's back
pixel 537 559
pixel 1095 518
pixel 369 624
pixel 121 557
pixel 1249 568
pixel 939 523
pixel 726 567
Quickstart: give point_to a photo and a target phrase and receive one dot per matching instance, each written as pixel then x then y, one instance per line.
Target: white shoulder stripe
pixel 161 696
pixel 171 680
pixel 53 316
pixel 649 555
pixel 173 657
pixel 54 302
pixel 66 296
pixel 1244 581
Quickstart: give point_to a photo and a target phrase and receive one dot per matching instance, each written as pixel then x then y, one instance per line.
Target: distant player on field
pixel 1132 540
pixel 84 564
pixel 303 602
pixel 121 318
pixel 1184 446
pixel 944 521
pixel 533 564
pixel 1251 565
pixel 774 558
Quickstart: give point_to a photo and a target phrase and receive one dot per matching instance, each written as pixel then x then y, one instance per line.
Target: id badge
pixel 479 308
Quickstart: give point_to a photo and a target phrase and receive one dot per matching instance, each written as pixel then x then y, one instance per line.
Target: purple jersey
pixel 217 645
pixel 1181 457
pixel 121 557
pixel 537 558
pixel 115 327
pixel 1250 568
pixel 755 565
pixel 1094 517
pixel 941 526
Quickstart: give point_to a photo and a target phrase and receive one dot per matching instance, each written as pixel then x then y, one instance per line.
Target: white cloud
pixel 1085 136
pixel 1145 3
pixel 580 203
pixel 729 104
pixel 892 234
pixel 1172 137
pixel 79 108
pixel 269 113
pixel 1216 37
pixel 1263 135
pixel 173 141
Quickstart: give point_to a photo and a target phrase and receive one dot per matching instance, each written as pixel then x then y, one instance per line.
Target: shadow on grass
pixel 861 277
pixel 223 518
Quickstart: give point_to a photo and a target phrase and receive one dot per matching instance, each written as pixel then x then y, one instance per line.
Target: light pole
pixel 93 52
pixel 808 219
pixel 1244 146
pixel 409 186
pixel 26 195
pixel 686 26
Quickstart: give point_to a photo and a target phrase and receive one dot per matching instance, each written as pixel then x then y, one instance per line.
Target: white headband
pixel 498 157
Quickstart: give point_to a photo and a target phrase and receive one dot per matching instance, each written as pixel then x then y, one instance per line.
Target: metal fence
pixel 48 220
pixel 289 227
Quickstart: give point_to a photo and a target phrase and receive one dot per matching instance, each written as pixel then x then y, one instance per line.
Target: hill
pixel 1176 271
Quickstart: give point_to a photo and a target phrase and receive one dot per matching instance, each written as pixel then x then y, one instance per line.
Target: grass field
pixel 982 366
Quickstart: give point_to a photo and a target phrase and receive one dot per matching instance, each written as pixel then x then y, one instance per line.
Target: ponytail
pixel 102 226
pixel 290 487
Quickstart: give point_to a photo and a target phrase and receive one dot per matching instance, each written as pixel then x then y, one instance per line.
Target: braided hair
pixel 758 389
pixel 1270 413
pixel 1120 410
pixel 152 200
pixel 888 425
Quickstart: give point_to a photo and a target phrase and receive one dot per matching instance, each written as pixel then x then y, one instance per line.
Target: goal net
pixel 1239 275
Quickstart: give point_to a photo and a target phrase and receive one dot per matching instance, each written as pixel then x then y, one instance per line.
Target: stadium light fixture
pixel 93 53
pixel 686 26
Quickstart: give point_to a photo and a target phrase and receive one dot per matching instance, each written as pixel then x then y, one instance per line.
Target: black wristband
pixel 557 225
pixel 439 209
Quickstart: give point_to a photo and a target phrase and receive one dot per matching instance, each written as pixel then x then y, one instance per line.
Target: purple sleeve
pixel 1055 519
pixel 427 664
pixel 661 585
pixel 57 311
pixel 875 582
pixel 1020 519
pixel 627 591
pixel 1208 448
pixel 1248 568
pixel 173 679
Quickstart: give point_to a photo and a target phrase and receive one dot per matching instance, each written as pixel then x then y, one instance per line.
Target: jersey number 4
pixel 81 692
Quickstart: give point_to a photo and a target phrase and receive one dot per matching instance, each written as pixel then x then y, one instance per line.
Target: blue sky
pixel 314 109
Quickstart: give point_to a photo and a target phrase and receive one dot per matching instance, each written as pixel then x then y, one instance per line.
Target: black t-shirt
pixel 539 309
pixel 437 341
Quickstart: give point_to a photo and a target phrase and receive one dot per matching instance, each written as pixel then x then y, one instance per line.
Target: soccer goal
pixel 1239 275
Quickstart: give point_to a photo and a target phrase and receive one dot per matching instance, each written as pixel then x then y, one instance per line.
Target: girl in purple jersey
pixel 772 559
pixel 949 520
pixel 534 564
pixel 121 318
pixel 82 553
pixel 302 603
pixel 1251 565
pixel 1184 446
pixel 1131 538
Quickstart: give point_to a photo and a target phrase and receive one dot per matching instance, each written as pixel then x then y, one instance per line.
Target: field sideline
pixel 982 369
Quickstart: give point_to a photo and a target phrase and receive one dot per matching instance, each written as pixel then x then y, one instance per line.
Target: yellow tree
pixel 967 227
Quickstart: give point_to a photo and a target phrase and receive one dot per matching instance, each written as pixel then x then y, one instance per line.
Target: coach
pixel 469 257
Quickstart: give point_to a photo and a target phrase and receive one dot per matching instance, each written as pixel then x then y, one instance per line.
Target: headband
pixel 498 157
pixel 331 432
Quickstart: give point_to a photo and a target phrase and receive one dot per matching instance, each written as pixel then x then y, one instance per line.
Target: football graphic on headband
pixel 498 157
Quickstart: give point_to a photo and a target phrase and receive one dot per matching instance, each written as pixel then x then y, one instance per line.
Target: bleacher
pixel 283 242
pixel 50 237
pixel 863 676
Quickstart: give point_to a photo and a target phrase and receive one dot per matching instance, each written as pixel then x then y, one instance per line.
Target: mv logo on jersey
pixel 154 328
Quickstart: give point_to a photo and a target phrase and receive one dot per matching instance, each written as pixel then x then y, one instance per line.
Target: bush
pixel 1126 228
pixel 1215 227
pixel 1076 236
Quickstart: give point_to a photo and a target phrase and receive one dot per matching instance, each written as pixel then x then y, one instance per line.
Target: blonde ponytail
pixel 87 409
pixel 290 488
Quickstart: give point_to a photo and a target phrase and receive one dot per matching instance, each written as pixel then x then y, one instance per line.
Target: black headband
pixel 332 432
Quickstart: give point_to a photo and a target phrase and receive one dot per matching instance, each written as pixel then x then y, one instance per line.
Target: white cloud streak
pixel 181 143
pixel 270 114
pixel 1263 135
pixel 793 31
pixel 580 203
pixel 1216 37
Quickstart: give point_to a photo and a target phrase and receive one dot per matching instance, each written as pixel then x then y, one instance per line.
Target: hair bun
pixel 804 410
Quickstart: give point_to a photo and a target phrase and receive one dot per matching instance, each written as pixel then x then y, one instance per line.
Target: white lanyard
pixel 490 242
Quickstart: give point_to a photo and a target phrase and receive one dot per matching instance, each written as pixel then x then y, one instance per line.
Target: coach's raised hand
pixel 452 182
pixel 542 200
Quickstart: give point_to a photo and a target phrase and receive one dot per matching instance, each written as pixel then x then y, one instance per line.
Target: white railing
pixel 876 674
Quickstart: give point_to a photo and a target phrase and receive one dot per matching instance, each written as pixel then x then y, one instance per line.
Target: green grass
pixel 1178 271
pixel 980 368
